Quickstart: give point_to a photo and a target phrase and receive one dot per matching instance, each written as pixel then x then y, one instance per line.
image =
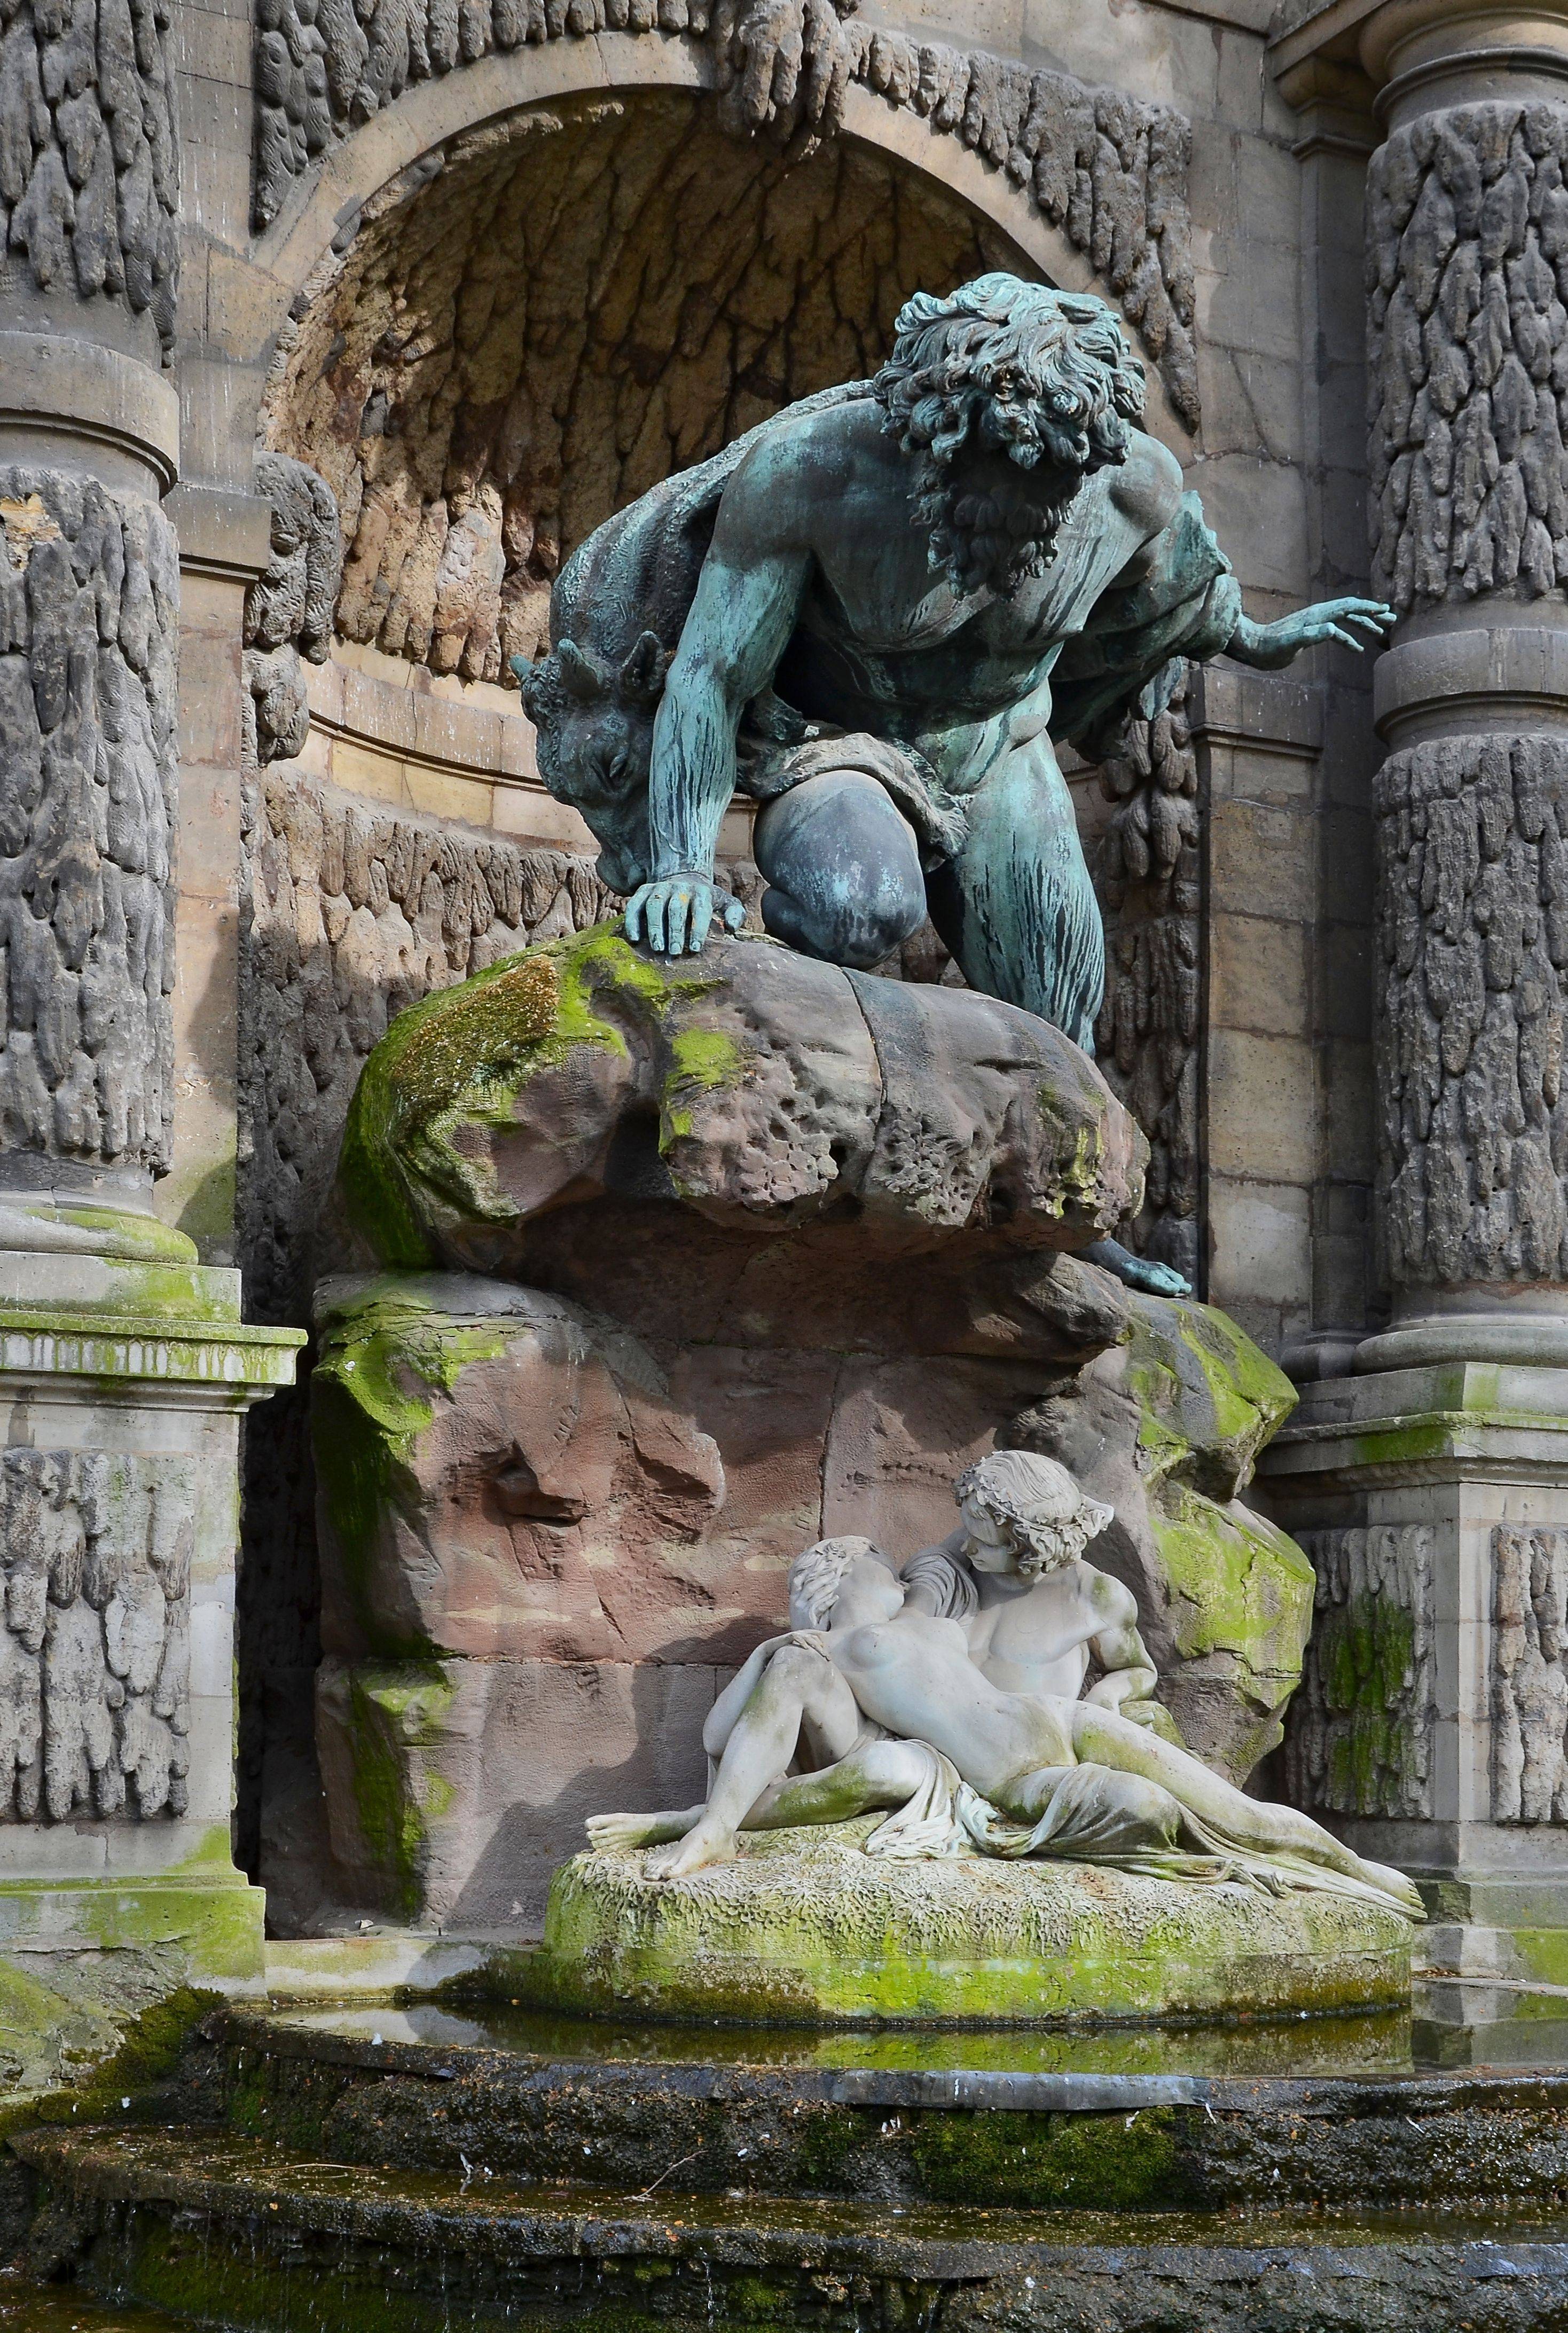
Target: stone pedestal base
pixel 122 1384
pixel 805 1928
pixel 1431 1727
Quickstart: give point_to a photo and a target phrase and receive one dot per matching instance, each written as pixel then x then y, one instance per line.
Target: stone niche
pixel 653 1276
pixel 584 300
pixel 580 299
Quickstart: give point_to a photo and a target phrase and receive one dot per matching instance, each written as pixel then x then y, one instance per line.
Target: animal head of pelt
pixel 594 719
pixel 575 676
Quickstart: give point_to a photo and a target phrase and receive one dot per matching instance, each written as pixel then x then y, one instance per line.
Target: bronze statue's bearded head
pixel 1005 375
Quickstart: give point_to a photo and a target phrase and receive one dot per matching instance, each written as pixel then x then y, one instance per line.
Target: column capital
pixel 1405 58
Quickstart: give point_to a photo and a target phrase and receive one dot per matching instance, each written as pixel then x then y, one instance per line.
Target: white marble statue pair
pixel 951 1695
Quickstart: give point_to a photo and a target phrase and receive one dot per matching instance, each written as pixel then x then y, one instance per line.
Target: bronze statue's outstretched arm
pixel 739 625
pixel 1271 646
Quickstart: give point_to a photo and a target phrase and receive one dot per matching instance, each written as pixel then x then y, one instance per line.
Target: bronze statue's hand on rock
pixel 675 914
pixel 1269 647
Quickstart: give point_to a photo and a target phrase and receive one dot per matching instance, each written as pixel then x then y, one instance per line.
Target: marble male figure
pixel 878 1675
pixel 1034 1609
pixel 879 613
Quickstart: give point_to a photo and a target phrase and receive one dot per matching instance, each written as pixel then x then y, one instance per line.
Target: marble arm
pixel 719 1723
pixel 1129 1673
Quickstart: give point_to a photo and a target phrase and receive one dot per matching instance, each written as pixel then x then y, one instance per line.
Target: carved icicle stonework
pixel 1530 1675
pixel 1150 882
pixel 1358 1735
pixel 1468 282
pixel 1473 939
pixel 89 153
pixel 1106 168
pixel 95 1645
pixel 289 610
pixel 89 622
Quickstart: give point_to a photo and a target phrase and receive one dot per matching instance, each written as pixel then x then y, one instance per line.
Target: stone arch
pixel 1089 183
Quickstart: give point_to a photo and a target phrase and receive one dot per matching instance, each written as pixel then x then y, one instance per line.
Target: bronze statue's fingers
pixel 701 918
pixel 653 912
pixel 675 923
pixel 1348 639
pixel 734 915
pixel 632 917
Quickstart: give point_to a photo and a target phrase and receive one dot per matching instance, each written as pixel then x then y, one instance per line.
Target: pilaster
pixel 1431 1483
pixel 124 1363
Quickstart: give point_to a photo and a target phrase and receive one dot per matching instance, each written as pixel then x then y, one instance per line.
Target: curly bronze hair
pixel 1047 377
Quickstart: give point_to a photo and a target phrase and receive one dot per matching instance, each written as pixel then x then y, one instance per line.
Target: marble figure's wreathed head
pixel 1025 1513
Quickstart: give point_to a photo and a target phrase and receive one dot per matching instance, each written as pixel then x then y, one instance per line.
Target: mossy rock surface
pixel 805 1927
pixel 1165 1426
pixel 755 1086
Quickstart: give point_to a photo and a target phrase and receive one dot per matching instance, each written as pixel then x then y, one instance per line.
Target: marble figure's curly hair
pixel 1048 1518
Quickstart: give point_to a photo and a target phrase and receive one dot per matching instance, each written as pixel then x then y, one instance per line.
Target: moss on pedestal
pixel 805 1928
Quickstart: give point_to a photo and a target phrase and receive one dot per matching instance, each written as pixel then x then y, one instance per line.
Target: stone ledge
pixel 61 1344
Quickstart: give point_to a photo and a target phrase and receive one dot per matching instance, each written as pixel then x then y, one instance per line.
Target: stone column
pixel 1431 1483
pixel 124 1367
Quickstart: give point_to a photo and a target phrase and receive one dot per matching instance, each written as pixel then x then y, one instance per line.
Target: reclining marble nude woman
pixel 909 1722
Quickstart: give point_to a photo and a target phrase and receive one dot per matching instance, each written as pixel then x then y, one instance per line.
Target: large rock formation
pixel 652 1276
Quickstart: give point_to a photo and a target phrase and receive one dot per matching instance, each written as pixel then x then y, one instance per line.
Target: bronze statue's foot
pixel 1140 1271
pixel 700 1847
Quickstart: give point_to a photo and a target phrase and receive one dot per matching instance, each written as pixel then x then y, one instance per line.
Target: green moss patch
pixel 459 1058
pixel 1100 2162
pixel 395 1711
pixel 381 1365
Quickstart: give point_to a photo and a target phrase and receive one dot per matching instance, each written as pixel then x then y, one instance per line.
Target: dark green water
pixel 1390 2042
pixel 67 2309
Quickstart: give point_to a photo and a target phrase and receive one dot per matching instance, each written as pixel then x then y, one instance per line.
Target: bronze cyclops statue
pixel 878 613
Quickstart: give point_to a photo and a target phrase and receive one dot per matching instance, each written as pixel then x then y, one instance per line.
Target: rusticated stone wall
pixel 89 152
pixel 1359 1737
pixel 1472 940
pixel 1468 274
pixel 89 617
pixel 288 611
pixel 1107 168
pixel 95 1645
pixel 1467 281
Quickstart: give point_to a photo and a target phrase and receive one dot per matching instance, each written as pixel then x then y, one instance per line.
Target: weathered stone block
pixel 760 1090
pixel 456 1786
pixel 1166 1428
